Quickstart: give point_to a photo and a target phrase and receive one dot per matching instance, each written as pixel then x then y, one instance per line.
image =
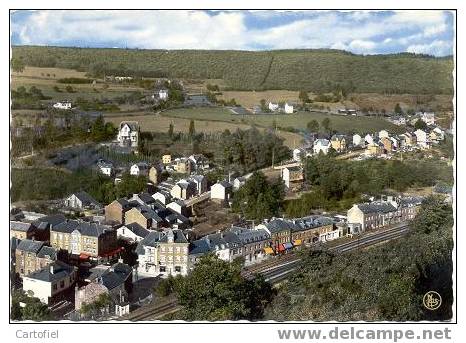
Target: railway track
pixel 154 313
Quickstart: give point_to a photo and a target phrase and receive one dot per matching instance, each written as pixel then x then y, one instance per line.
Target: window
pixel 163 269
pixel 62 283
pixel 177 269
pixel 54 287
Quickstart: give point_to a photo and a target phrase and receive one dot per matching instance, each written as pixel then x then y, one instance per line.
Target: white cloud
pixel 437 47
pixel 357 31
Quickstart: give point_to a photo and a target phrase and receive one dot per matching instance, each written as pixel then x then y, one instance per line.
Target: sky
pixel 376 32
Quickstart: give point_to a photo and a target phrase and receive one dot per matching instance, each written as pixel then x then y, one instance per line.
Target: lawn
pixel 343 124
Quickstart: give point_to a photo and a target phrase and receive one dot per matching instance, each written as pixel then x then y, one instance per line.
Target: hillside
pixel 311 70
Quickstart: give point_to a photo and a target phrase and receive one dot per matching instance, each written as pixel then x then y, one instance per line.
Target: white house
pixel 369 139
pixel 132 232
pixel 321 145
pixel 357 140
pixel 178 206
pixel 162 196
pixel 298 154
pixel 82 200
pixel 163 94
pixel 273 106
pixel 289 108
pixel 201 183
pixel 105 168
pixel 140 168
pixel 62 105
pixel 221 191
pixel 421 137
pixel 128 133
pixel 383 134
pixel 427 117
pixel 48 282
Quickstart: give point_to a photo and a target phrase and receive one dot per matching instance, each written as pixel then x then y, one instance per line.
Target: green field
pixel 343 124
pixel 312 70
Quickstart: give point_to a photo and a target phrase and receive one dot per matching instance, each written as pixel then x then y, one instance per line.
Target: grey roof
pixel 138 230
pixel 278 225
pixel 52 220
pixel 384 207
pixel 249 236
pixel 310 222
pixel 86 229
pixel 200 246
pixel 60 271
pixel 20 226
pixel 198 178
pixel 115 276
pixel 103 164
pixel 30 245
pixel 146 197
pixel 150 240
pixel 322 141
pixel 178 236
pixel 133 125
pixel 86 198
pixel 224 183
pixel 47 251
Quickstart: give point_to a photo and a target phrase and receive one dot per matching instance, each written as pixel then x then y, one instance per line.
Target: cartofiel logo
pixel 432 300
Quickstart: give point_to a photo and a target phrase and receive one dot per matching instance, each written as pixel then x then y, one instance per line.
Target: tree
pixel 17 65
pixel 398 109
pixel 304 97
pixel 192 130
pixel 313 126
pixel 326 124
pixel 420 125
pixel 35 310
pixel 170 130
pixel 221 293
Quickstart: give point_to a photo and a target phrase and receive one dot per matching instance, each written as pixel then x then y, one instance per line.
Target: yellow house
pixel 167 159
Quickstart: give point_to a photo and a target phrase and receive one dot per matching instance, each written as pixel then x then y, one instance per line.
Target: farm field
pixel 344 124
pixel 157 123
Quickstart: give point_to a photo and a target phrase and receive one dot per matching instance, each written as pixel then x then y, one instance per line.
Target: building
pixel 273 106
pixel 279 230
pixel 163 94
pixel 312 229
pixel 338 143
pixel 31 256
pixel 292 176
pixel 88 240
pixel 369 139
pixel 62 105
pixel 409 139
pixel 184 189
pixel 179 207
pixel 140 168
pixel 144 216
pixel 155 174
pixel 163 253
pixel 200 182
pixel 166 159
pixel 321 145
pixel 358 141
pixel 115 211
pixel 82 201
pixel 298 154
pixel 128 134
pixel 253 242
pixel 387 144
pixel 422 139
pixel 132 232
pixel 105 168
pixel 437 135
pixel 200 162
pixel 221 191
pixel 21 230
pixel 289 109
pixel 183 165
pixel 225 245
pixel 397 120
pixel 427 117
pixel 375 149
pixel 49 282
pixel 163 196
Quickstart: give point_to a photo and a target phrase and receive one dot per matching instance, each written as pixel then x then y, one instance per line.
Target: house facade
pixel 128 134
pixel 321 145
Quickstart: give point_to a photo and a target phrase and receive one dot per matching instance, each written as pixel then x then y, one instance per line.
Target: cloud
pixel 437 48
pixel 364 32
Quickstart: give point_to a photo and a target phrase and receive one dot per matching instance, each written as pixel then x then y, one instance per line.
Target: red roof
pixel 113 252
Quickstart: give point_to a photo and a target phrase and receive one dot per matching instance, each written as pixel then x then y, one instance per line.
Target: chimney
pixel 52 269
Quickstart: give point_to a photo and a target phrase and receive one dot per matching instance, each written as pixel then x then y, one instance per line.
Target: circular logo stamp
pixel 432 300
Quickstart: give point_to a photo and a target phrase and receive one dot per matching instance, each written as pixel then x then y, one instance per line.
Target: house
pixel 155 173
pixel 298 154
pixel 197 100
pixel 289 108
pixel 239 182
pixel 200 182
pixel 225 245
pixel 422 139
pixel 21 230
pixel 199 162
pixel 397 120
pixel 105 168
pixel 183 165
pixel 383 134
pixel 437 135
pixel 62 105
pixel 221 191
pixel 31 256
pixel 409 138
pixel 166 159
pixel 115 211
pixel 292 176
pixel 273 106
pixel 369 139
pixel 163 94
pixel 144 199
pixel 321 145
pixel 279 230
pixel 44 224
pixel 178 206
pixel 184 189
pixel 387 144
pixel 371 215
pixel 88 240
pixel 375 149
pixel 163 253
pixel 358 141
pixel 338 143
pixel 163 196
pixel 313 229
pixel 132 232
pixel 114 281
pixel 128 134
pixel 49 282
pixel 144 216
pixel 427 117
pixel 140 168
pixel 82 201
pixel 253 242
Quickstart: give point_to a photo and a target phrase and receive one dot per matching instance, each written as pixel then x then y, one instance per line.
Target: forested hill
pixel 311 70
